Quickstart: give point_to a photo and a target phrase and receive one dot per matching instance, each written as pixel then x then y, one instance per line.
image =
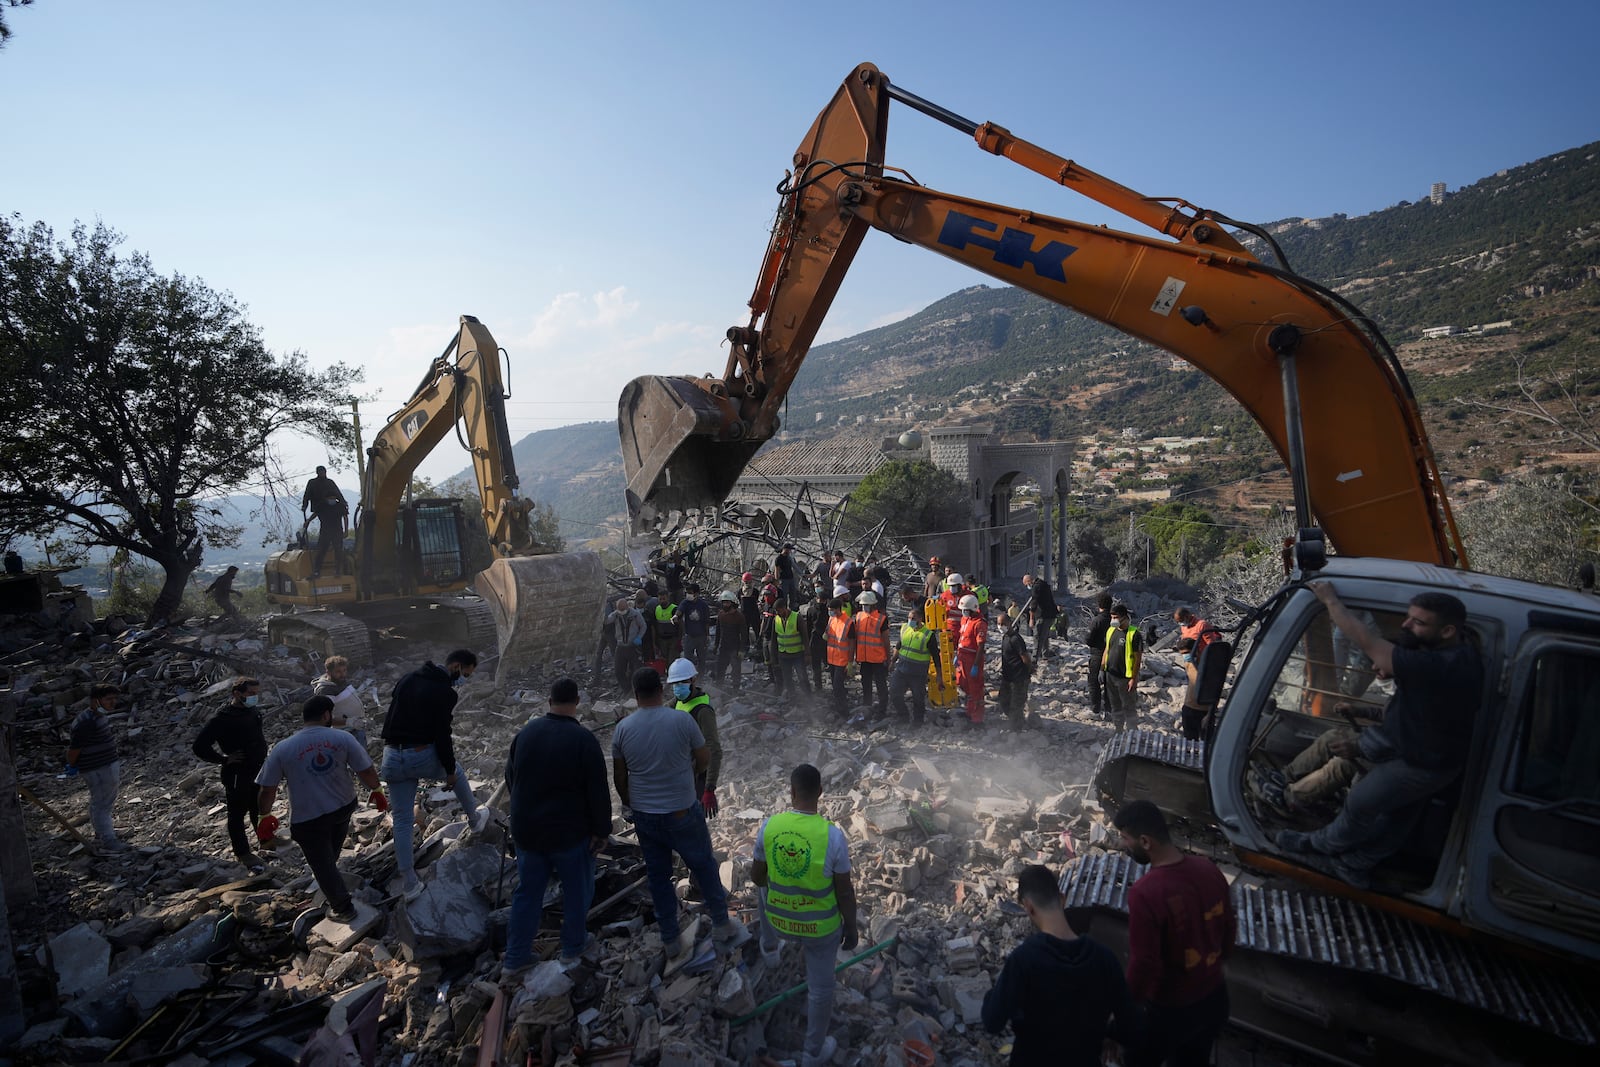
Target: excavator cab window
pixel 1556 769
pixel 1327 691
pixel 430 545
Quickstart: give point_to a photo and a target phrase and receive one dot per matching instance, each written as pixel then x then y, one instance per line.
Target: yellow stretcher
pixel 942 691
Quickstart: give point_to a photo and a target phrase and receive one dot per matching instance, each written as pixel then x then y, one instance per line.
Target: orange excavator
pixel 1479 941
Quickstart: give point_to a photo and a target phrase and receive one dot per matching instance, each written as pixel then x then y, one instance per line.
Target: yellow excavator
pixel 409 566
pixel 1480 941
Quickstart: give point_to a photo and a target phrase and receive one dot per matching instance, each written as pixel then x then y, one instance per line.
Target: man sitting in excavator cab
pixel 1422 744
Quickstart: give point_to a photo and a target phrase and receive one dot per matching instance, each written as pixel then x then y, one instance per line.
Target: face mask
pixel 681 690
pixel 252 700
pixel 1122 624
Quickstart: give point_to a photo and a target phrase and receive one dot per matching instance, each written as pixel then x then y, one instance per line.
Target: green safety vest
pixel 788 636
pixel 692 703
pixel 800 897
pixel 664 617
pixel 1127 652
pixel 982 593
pixel 914 642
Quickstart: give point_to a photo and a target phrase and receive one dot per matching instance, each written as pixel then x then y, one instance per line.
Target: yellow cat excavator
pixel 1479 942
pixel 410 566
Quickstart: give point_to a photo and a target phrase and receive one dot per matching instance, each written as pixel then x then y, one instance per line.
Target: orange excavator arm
pixel 1362 463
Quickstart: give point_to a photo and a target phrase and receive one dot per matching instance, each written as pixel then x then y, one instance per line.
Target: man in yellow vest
pixel 841 650
pixel 802 866
pixel 1120 661
pixel 688 696
pixel 787 636
pixel 919 646
pixel 870 632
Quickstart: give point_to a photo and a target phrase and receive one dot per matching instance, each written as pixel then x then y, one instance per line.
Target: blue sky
pixel 595 181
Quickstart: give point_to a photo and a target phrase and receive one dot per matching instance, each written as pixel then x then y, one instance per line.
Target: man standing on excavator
pixel 323 499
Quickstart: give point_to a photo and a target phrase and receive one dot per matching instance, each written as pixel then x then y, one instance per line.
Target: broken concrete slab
pixel 154 989
pixel 81 958
pixel 341 935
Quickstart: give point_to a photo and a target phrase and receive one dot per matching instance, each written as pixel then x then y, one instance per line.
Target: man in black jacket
pixel 417 745
pixel 560 818
pixel 1097 651
pixel 1042 612
pixel 233 739
pixel 1057 990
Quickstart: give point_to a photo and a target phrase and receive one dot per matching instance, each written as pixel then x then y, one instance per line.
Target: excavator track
pixel 1295 944
pixel 327 633
pixel 1161 767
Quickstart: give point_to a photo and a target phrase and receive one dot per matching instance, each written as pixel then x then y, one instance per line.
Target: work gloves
pixel 708 800
pixel 379 801
pixel 267 828
pixel 72 771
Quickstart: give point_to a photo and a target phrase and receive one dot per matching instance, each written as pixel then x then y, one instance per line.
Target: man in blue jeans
pixel 560 819
pixel 417 746
pixel 655 754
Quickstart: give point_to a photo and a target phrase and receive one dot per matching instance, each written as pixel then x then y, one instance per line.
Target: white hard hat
pixel 969 603
pixel 869 597
pixel 727 595
pixel 682 670
pixel 956 579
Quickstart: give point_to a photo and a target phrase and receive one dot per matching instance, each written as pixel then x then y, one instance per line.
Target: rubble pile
pixel 172 952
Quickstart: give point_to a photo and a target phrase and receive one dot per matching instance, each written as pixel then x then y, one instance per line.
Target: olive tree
pixel 132 398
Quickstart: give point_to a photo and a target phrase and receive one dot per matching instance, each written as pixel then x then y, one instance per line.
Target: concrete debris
pixel 940 822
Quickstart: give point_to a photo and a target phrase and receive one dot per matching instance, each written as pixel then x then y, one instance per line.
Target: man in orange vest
pixel 841 649
pixel 1195 634
pixel 869 630
pixel 974 634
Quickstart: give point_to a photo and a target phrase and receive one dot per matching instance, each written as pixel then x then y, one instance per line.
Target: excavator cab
pixel 1511 845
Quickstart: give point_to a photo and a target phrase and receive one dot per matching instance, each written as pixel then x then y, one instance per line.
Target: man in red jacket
pixel 1181 927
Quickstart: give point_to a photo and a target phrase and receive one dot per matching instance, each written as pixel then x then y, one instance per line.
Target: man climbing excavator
pixel 409 560
pixel 1502 868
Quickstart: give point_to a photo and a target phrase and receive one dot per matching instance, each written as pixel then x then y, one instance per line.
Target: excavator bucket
pixel 683 447
pixel 545 607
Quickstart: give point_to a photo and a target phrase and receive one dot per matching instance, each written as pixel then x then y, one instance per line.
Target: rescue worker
pixel 1121 659
pixel 750 606
pixel 655 754
pixel 233 739
pixel 933 583
pixel 665 629
pixel 1096 640
pixel 1016 668
pixel 1195 634
pixel 1041 613
pixel 789 638
pixel 732 639
pixel 628 627
pixel 324 500
pixel 92 756
pixel 841 649
pixel 801 867
pixel 688 696
pixel 955 589
pixel 974 635
pixel 694 622
pixel 317 762
pixel 815 614
pixel 870 632
pixel 788 574
pixel 418 745
pixel 918 647
pixel 222 592
pixel 334 683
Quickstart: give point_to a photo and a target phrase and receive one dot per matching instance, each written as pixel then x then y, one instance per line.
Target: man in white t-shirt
pixel 801 863
pixel 317 762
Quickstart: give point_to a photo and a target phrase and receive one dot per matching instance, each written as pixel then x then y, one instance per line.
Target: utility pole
pixel 361 461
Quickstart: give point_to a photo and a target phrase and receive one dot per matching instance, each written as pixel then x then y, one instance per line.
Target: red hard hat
pixel 747 577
